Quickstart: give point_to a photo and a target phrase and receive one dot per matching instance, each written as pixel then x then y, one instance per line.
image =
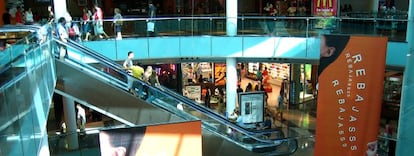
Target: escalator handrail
pixel 173 94
pixel 208 111
pixel 19 28
pixel 99 56
pixel 115 80
pixel 188 102
pixel 32 29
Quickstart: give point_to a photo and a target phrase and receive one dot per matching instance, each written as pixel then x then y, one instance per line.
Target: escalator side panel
pixel 108 98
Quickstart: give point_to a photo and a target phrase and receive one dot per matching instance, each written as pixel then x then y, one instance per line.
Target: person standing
pixel 208 97
pixel 128 63
pixel 98 19
pixel 29 16
pixel 281 99
pixel 63 36
pixel 118 23
pixel 153 79
pixel 19 16
pixel 51 16
pixel 239 89
pixel 151 23
pixel 6 17
pixel 238 70
pixel 152 10
pixel 86 19
pixel 259 75
pixel 147 73
pixel 81 116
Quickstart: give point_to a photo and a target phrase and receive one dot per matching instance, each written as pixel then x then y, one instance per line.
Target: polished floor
pixel 298 122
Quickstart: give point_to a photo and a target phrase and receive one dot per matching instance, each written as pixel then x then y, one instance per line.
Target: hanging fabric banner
pixel 350 89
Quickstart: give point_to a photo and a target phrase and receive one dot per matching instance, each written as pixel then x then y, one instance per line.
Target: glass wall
pixel 28 81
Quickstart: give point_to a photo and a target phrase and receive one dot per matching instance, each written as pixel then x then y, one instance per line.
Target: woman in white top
pixel 28 16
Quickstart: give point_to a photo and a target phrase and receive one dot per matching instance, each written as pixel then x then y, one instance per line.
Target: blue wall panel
pixel 290 47
pixel 313 48
pixel 213 47
pixel 196 46
pixel 258 47
pixel 397 54
pixel 226 47
pixel 164 47
pixel 105 47
pixel 139 46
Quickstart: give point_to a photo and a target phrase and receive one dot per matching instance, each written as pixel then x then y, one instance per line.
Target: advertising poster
pixel 220 74
pixel 182 139
pixel 193 92
pixel 325 8
pixel 252 105
pixel 351 75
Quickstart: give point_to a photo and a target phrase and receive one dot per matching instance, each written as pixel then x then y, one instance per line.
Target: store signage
pixel 325 8
pixel 349 94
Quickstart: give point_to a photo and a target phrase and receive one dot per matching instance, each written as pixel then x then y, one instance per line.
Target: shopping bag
pixel 150 26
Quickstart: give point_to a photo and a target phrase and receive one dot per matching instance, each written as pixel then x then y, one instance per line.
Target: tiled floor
pixel 298 123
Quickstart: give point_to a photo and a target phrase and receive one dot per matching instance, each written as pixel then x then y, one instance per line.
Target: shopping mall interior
pixel 210 77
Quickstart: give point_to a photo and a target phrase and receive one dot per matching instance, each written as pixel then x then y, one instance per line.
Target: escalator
pixel 27 82
pixel 102 85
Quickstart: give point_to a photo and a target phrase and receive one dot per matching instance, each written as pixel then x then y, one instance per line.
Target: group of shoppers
pixel 20 16
pixel 148 76
pixel 92 23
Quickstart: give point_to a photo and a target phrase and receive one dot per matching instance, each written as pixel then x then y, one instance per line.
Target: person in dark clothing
pixel 207 99
pixel 58 106
pixel 239 89
pixel 249 87
pixel 6 17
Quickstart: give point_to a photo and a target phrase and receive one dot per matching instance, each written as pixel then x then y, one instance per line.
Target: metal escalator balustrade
pixel 272 142
pixel 27 83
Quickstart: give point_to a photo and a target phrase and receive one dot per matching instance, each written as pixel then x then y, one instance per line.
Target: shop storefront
pixel 167 74
pixel 300 86
pixel 197 79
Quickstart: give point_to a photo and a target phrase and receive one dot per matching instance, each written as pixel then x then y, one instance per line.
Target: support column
pixel 405 137
pixel 2 10
pixel 70 121
pixel 231 17
pixel 373 6
pixel 44 146
pixel 294 88
pixel 59 8
pixel 231 85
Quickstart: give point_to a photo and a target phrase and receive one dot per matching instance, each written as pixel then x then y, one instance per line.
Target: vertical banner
pixel 351 75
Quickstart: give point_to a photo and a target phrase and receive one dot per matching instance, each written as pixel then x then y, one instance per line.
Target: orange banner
pixel 180 139
pixel 350 90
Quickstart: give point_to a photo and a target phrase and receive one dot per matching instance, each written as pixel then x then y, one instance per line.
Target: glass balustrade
pixel 393 27
pixel 27 83
pixel 113 73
